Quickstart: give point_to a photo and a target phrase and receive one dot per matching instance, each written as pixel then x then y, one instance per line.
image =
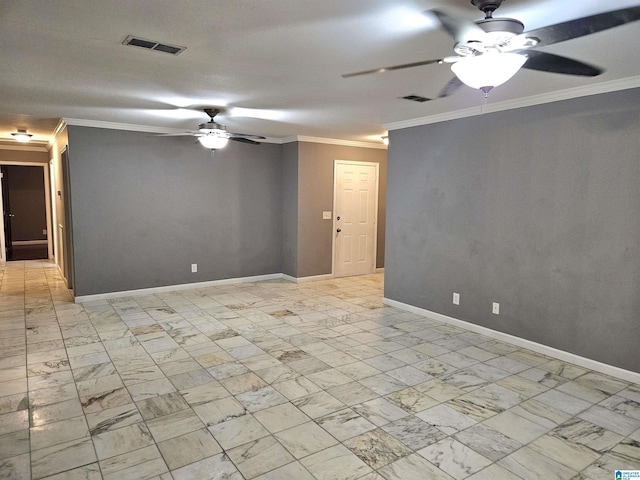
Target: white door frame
pixel 53 247
pixel 47 202
pixel 375 222
pixel 2 240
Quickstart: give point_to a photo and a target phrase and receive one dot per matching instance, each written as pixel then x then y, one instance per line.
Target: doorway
pixel 355 216
pixel 25 212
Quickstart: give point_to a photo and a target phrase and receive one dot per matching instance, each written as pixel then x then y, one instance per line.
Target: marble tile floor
pixel 278 381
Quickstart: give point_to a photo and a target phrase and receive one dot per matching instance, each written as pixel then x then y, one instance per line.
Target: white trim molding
pixel 173 288
pixel 314 278
pixel 584 362
pixel 334 141
pixel 57 132
pixel 583 91
pixel 130 127
pixel 188 286
pixel 32 146
pixel 29 242
pixel 79 122
pixel 26 164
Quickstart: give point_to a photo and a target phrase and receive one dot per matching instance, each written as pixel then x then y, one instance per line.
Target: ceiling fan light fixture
pixel 486 71
pixel 21 136
pixel 213 141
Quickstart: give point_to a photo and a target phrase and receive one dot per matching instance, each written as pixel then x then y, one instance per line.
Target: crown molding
pixel 334 141
pixel 79 122
pixel 57 132
pixel 604 87
pixel 149 129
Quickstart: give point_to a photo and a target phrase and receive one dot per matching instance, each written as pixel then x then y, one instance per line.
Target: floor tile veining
pixel 280 381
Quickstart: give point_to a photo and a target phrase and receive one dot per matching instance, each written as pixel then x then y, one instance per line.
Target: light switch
pixel 326 215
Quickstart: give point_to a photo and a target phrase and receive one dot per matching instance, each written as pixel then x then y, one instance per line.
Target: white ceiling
pixel 276 64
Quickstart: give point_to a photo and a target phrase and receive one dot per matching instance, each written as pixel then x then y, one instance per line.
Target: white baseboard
pixel 172 288
pixel 588 363
pixel 187 286
pixel 66 283
pixel 212 283
pixel 28 242
pixel 314 278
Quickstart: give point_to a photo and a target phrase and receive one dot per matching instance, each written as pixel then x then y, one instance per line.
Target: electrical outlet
pixel 496 308
pixel 44 232
pixel 456 298
pixel 194 267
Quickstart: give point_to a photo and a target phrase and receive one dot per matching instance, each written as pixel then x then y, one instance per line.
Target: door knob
pixel 339 230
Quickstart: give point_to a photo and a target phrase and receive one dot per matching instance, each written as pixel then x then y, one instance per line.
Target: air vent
pixel 416 98
pixel 151 45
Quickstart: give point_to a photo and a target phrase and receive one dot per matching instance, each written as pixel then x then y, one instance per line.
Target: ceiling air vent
pixel 151 45
pixel 416 98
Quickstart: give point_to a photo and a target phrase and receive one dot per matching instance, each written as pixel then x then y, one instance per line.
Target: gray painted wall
pixel 534 208
pixel 315 195
pixel 27 201
pixel 290 209
pixel 145 208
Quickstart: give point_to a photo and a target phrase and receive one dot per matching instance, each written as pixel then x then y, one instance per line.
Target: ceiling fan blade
pixel 451 86
pixel 184 134
pixel 461 30
pixel 233 136
pixel 548 62
pixel 245 140
pixel 584 26
pixel 394 67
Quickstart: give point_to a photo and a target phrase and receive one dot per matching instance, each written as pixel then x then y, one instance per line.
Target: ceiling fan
pixel 214 136
pixel 491 51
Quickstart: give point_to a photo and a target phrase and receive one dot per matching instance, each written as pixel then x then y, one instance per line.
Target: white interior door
pixel 355 217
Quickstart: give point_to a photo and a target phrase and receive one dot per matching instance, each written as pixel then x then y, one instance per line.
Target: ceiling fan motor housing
pixel 487 6
pixel 500 31
pixel 506 25
pixel 209 127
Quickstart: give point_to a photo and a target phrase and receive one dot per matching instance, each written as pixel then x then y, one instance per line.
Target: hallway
pixel 282 381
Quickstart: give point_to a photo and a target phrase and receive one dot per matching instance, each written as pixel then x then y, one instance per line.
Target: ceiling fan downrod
pixel 487 6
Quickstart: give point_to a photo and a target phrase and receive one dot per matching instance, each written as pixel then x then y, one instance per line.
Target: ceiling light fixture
pixel 213 135
pixel 22 136
pixel 214 140
pixel 486 71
